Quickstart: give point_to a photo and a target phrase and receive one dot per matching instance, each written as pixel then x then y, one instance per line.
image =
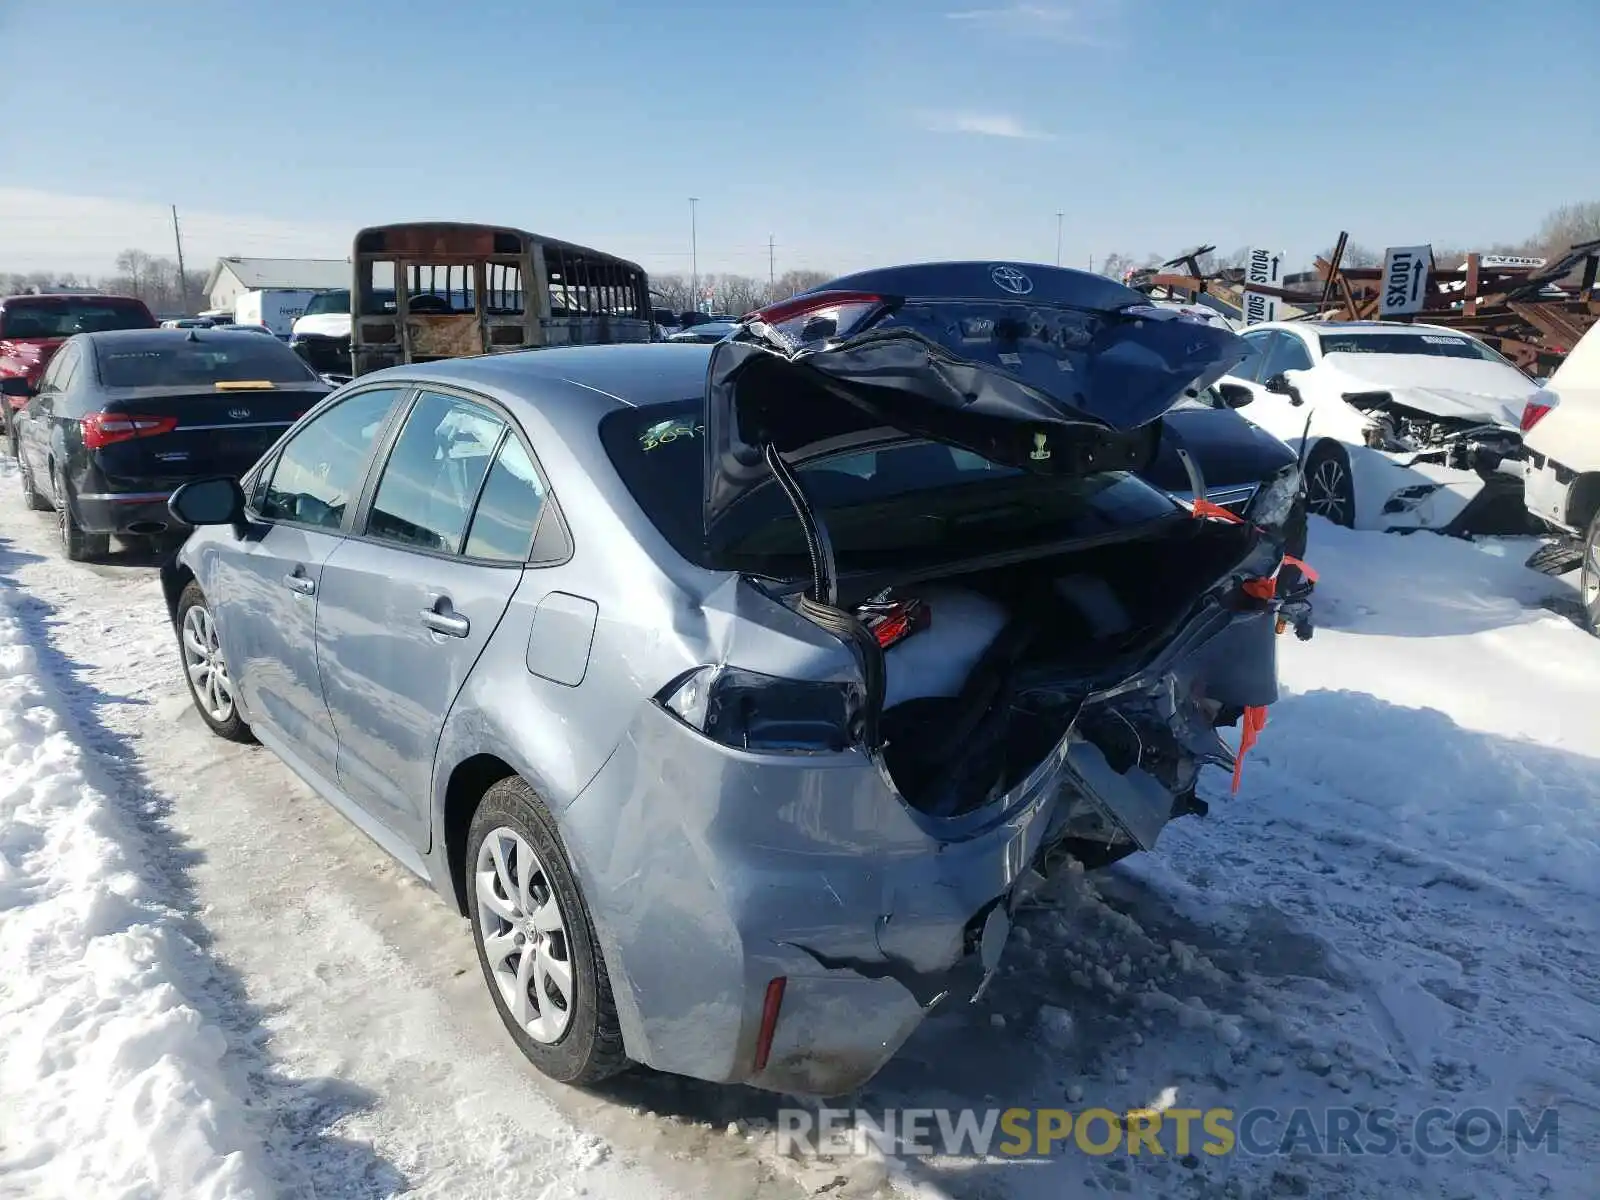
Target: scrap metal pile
pixel 1532 311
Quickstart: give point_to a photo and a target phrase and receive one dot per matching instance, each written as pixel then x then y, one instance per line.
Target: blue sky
pixel 854 133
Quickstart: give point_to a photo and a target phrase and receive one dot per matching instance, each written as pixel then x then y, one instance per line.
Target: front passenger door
pixel 407 607
pixel 264 585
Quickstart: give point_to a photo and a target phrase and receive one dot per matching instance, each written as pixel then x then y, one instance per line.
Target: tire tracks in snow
pixel 362 1041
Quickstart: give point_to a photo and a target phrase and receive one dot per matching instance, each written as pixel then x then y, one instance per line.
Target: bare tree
pixel 672 291
pixel 792 283
pixel 1568 226
pixel 1355 255
pixel 1116 265
pixel 738 294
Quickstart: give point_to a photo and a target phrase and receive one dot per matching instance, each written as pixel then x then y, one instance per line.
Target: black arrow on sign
pixel 1274 277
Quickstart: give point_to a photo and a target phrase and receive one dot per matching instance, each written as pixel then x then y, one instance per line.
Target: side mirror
pixel 1234 395
pixel 1279 385
pixel 215 501
pixel 16 385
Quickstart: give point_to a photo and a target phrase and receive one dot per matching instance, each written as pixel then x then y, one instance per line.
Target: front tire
pixel 77 543
pixel 210 686
pixel 536 942
pixel 31 498
pixel 1330 491
pixel 8 418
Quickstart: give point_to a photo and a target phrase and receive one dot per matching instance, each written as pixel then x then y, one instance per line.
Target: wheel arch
pixel 468 782
pixel 1583 500
pixel 174 578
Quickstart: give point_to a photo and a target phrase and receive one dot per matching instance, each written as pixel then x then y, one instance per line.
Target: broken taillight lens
pixel 818 316
pixel 765 714
pixel 1534 412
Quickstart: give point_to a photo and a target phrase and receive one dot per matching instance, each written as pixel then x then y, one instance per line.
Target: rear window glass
pixel 1434 345
pixel 912 500
pixel 329 302
pixel 63 318
pixel 179 362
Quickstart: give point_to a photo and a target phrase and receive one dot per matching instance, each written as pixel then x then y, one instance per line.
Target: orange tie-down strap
pixel 1261 589
pixel 1250 727
pixel 1254 719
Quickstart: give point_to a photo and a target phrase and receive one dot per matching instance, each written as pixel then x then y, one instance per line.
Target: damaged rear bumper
pixel 712 872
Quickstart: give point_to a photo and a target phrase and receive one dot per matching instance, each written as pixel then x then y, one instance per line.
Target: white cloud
pixel 1073 24
pixel 984 124
pixel 50 231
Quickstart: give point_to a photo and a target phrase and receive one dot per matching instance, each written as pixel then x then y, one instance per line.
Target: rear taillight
pixel 765 714
pixel 104 429
pixel 818 316
pixel 1534 412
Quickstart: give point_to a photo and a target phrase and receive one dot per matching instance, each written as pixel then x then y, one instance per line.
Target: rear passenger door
pixel 407 606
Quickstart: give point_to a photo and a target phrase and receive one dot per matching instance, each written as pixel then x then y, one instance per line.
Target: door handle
pixel 303 584
pixel 450 623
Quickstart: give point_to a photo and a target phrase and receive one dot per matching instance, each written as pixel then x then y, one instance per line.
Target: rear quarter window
pixel 178 362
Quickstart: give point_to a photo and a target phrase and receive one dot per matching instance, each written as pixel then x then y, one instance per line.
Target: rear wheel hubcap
pixel 524 936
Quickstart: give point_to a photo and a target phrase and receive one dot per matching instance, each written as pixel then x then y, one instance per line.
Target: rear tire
pixel 9 420
pixel 1330 492
pixel 211 687
pixel 1589 577
pixel 571 1032
pixel 76 543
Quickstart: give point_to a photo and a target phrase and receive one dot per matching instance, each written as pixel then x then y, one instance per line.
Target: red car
pixel 32 328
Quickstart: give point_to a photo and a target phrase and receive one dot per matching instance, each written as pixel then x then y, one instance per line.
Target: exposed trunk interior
pixel 977 696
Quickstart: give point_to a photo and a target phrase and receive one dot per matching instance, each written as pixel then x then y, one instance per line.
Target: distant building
pixel 231 276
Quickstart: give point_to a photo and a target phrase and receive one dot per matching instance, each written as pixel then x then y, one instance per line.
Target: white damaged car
pixel 1403 427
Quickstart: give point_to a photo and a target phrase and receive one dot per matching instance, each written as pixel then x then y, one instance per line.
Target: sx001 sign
pixel 1405 280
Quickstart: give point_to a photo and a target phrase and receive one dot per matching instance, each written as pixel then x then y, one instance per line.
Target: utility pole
pixel 183 280
pixel 772 262
pixel 694 255
pixel 1059 217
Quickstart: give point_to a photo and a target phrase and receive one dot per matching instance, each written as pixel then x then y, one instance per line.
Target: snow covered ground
pixel 225 989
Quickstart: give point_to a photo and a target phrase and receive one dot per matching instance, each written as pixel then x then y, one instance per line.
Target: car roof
pixel 1417 328
pixel 571 385
pixel 70 298
pixel 126 339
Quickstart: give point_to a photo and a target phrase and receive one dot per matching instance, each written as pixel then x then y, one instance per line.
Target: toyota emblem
pixel 1009 279
pixel 238 414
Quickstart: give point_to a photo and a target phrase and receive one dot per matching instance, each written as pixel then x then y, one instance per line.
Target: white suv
pixel 1561 429
pixel 1404 426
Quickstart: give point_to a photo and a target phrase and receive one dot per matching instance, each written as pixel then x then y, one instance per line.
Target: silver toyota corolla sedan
pixel 737 694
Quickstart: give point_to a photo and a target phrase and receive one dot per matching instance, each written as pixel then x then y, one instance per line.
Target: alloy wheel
pixel 1328 491
pixel 202 660
pixel 1589 577
pixel 524 936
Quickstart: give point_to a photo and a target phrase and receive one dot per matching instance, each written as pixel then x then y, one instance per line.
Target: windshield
pixel 62 318
pixel 179 362
pixel 1433 345
pixel 918 501
pixel 329 302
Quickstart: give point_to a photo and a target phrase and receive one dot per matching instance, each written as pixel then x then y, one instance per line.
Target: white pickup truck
pixel 1561 431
